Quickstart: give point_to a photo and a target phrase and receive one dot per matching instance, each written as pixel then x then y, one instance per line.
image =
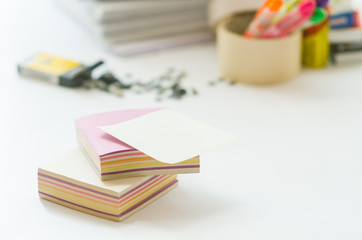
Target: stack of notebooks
pixel 108 178
pixel 135 26
pixel 345 33
pixel 345 21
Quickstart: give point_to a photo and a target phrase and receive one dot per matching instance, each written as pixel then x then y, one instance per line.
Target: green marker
pixel 319 16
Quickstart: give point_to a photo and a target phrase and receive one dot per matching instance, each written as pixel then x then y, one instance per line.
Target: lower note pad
pixel 70 181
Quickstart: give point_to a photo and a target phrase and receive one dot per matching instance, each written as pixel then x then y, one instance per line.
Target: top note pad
pixel 168 136
pixel 113 158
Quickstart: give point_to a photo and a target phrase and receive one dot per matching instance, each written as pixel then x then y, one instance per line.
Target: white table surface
pixel 294 171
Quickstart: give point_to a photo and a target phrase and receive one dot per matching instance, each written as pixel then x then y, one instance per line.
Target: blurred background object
pixel 345 35
pixel 252 60
pixel 131 27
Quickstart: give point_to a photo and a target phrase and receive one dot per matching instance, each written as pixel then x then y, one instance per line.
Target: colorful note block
pixel 114 158
pixel 70 181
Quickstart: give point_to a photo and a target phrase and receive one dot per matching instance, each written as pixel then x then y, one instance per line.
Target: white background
pixel 294 171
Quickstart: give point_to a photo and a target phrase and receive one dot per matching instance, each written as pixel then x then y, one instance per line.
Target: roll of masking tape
pixel 253 60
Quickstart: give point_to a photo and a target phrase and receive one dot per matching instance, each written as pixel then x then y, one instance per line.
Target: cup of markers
pixel 266 47
pixel 278 18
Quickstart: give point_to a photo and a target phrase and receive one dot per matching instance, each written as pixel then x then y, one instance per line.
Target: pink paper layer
pixel 101 142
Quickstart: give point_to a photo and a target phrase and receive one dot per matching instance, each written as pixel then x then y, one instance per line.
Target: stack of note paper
pixel 70 181
pixel 139 152
pixel 130 27
pixel 116 159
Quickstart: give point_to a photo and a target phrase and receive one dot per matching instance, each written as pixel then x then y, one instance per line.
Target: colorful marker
pixel 322 3
pixel 291 21
pixel 288 6
pixel 306 11
pixel 319 16
pixel 263 18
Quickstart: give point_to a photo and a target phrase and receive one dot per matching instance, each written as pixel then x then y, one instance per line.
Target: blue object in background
pixel 343 20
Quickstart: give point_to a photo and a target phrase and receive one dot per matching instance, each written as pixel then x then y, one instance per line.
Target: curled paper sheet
pixel 168 136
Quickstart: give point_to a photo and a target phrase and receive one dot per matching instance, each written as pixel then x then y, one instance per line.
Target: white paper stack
pixel 135 26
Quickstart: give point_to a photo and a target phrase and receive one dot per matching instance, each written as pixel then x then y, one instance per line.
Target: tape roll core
pixel 253 60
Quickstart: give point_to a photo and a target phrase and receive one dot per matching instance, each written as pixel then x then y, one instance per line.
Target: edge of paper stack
pixel 70 181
